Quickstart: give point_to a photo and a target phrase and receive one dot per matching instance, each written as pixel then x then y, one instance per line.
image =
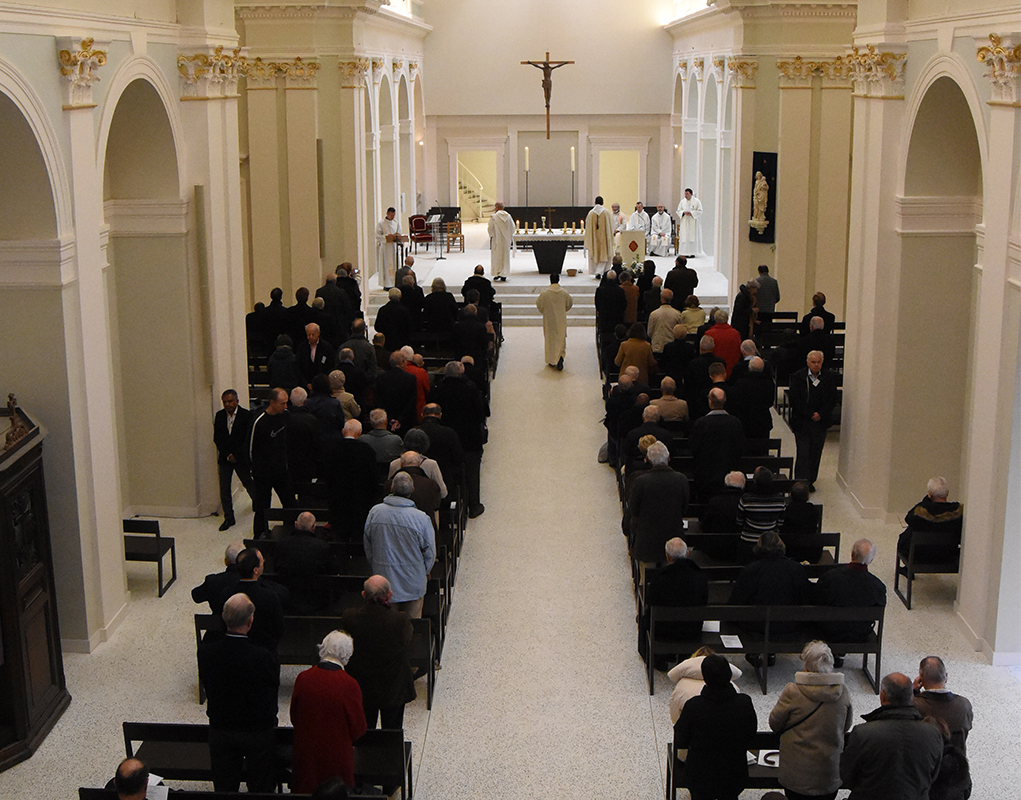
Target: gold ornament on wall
pixel 210 75
pixel 877 74
pixel 1004 72
pixel 742 72
pixel 79 68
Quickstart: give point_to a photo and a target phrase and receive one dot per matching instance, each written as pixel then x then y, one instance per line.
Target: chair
pixel 419 230
pixel 909 566
pixel 150 547
pixel 454 235
pixel 383 758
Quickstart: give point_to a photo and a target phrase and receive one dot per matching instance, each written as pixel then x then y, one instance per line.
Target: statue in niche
pixel 760 197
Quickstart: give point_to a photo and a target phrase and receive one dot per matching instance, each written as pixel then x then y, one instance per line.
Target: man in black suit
pixel 697 382
pixel 681 583
pixel 751 400
pixel 241 682
pixel 352 480
pixel 347 281
pixel 269 621
pixel 397 394
pixel 818 310
pixel 444 446
pixel 338 304
pixel 471 337
pixel 650 425
pixel 382 639
pixel 394 321
pixel 230 435
pixel 298 556
pixel 211 589
pixel 464 410
pixel 850 586
pixel 813 394
pixel 479 282
pixel 681 280
pixel 611 303
pixel 316 356
pixel 268 456
pixel 658 504
pixel 717 444
pixel 277 321
pixel 300 314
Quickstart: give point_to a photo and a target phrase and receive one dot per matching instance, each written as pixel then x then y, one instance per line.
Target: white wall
pixel 622 56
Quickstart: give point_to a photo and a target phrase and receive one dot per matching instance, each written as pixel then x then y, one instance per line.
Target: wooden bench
pixel 764 744
pixel 762 643
pixel 86 793
pixel 302 635
pixel 150 546
pixel 910 566
pixel 180 751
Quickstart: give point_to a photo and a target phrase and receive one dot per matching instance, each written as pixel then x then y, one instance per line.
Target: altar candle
pixel 526 159
pixel 565 227
pixel 572 159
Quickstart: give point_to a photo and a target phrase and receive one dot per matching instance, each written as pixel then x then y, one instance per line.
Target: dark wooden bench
pixel 86 793
pixel 302 635
pixel 180 751
pixel 764 744
pixel 762 643
pixel 911 566
pixel 148 545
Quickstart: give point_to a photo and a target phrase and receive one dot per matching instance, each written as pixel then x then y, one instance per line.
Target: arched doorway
pixel 387 152
pixel 153 300
pixel 689 176
pixel 706 189
pixel 372 206
pixel 407 151
pixel 421 204
pixel 933 380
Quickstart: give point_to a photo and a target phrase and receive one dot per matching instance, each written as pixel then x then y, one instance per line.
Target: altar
pixel 549 247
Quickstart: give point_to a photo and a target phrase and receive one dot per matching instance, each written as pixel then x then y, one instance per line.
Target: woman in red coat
pixel 327 715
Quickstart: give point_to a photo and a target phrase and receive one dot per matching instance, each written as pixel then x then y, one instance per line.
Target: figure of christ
pixel 547 68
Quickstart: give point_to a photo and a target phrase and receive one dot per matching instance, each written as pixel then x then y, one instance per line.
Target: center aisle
pixel 541 692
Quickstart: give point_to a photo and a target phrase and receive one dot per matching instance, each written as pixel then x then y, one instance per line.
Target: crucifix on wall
pixel 547 68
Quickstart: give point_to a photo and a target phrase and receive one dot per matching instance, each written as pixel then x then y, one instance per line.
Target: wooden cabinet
pixel 32 690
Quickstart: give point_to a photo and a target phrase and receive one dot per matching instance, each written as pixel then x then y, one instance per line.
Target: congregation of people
pixel 689 399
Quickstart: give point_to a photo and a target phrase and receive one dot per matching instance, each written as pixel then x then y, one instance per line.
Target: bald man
pixel 717 444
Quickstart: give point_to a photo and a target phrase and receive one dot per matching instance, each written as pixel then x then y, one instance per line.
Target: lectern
pixel 33 694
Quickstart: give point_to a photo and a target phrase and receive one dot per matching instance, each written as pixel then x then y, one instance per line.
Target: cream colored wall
pixel 618 177
pixel 483 165
pixel 622 57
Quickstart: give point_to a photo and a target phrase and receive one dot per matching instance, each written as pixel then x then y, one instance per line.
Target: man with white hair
pixel 216 583
pixel 352 481
pixel 501 237
pixel 751 399
pixel 658 505
pixel 315 355
pixel 328 717
pixel 662 322
pixel 934 514
pixel 650 425
pixel 719 515
pixel 426 492
pixel 813 394
pixel 382 637
pixel 394 320
pixel 727 339
pixel 748 352
pixel 386 445
pixel 934 699
pixel 401 545
pixel 300 555
pixel 851 586
pixel 681 583
pixel 242 724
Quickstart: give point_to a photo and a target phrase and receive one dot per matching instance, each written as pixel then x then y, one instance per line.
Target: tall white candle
pixel 572 159
pixel 526 159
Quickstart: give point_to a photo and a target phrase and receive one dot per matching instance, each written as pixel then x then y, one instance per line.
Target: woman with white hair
pixel 327 715
pixel 812 716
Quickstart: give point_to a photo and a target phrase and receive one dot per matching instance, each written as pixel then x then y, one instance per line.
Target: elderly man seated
pixel 671 407
pixel 661 229
pixel 658 505
pixel 680 583
pixel 934 514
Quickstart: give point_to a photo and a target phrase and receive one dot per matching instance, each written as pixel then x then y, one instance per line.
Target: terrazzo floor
pixel 542 693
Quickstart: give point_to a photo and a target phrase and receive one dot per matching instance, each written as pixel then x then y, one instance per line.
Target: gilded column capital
pixel 877 74
pixel 413 70
pixel 378 65
pixel 208 76
pixel 297 74
pixel 79 63
pixel 698 65
pixel 261 74
pixel 682 69
pixel 742 72
pixel 353 72
pixel 797 73
pixel 1004 73
pixel 398 65
pixel 719 62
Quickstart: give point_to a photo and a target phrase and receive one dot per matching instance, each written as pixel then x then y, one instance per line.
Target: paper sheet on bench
pixel 154 792
pixel 711 626
pixel 732 641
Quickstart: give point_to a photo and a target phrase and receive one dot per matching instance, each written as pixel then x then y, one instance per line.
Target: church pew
pixel 765 744
pixel 735 619
pixel 87 793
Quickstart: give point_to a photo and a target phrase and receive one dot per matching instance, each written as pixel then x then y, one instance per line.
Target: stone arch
pixel 941 178
pixel 23 97
pixel 708 178
pixel 388 161
pixel 420 145
pixel 406 148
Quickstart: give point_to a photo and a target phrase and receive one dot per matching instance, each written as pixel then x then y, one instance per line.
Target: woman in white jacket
pixel 688 677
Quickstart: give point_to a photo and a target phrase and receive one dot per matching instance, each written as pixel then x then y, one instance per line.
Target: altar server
pixel 639 220
pixel 689 233
pixel 501 236
pixel 659 238
pixel 388 234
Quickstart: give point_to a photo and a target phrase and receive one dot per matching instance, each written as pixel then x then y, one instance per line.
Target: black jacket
pixel 382 638
pixel 227 662
pixel 716 727
pixel 234 443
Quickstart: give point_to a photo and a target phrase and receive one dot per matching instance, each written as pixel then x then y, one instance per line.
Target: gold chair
pixel 454 235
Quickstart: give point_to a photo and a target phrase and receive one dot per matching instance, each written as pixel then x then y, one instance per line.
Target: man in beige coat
pixel 554 303
pixel 599 238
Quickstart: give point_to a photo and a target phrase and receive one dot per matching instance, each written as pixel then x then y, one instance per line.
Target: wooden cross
pixel 549 218
pixel 547 68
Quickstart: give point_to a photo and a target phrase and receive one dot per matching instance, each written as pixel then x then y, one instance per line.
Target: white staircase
pixel 469 197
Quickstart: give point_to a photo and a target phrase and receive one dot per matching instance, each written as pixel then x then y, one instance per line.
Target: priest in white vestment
pixel 689 232
pixel 388 234
pixel 599 238
pixel 639 220
pixel 619 224
pixel 554 303
pixel 501 239
pixel 659 236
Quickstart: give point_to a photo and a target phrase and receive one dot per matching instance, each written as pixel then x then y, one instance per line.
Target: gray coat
pixel 812 715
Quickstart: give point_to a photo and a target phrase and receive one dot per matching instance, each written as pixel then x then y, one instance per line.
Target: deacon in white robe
pixel 619 224
pixel 599 238
pixel 689 230
pixel 388 234
pixel 639 220
pixel 501 239
pixel 554 303
pixel 659 237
